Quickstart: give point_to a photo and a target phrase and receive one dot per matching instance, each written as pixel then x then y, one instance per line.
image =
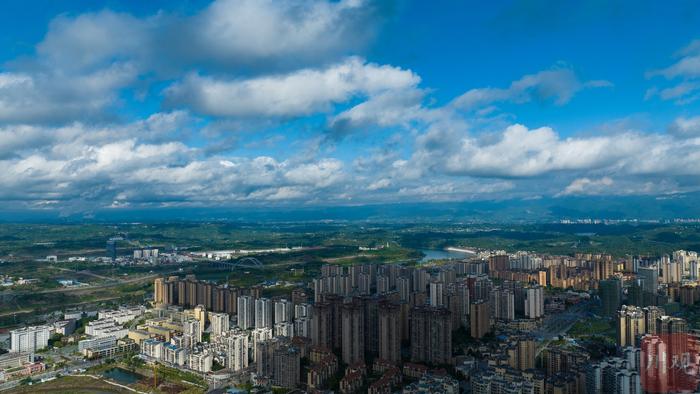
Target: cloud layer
pixel 262 102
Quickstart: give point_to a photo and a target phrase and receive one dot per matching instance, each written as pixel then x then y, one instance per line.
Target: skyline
pixel 183 104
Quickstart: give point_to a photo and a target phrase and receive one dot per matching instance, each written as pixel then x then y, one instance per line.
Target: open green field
pixel 69 385
pixel 593 327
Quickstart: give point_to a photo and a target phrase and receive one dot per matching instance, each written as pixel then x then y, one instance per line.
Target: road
pixel 559 323
pixel 88 273
pixel 116 282
pixel 353 256
pixel 68 305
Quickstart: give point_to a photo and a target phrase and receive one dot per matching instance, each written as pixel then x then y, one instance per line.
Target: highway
pixel 113 282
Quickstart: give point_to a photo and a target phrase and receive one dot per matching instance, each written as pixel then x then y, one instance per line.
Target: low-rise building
pixel 96 343
pixel 390 378
pixel 122 315
pixel 431 383
pixel 105 327
pixel 14 360
pixel 64 327
pixel 121 346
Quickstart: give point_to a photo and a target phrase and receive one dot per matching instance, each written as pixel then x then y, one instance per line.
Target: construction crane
pixel 155 376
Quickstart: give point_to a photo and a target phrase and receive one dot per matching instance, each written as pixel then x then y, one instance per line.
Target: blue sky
pixel 241 102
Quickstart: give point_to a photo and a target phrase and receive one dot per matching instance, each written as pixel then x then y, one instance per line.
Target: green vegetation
pixel 593 327
pixel 23 242
pixel 177 375
pixel 70 384
pixel 55 341
pixel 333 242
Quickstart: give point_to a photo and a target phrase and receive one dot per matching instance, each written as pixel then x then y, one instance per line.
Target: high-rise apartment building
pixel 437 297
pixel 189 292
pixel 389 332
pixel 353 333
pixel 431 335
pixel 534 302
pixel 321 325
pixel 284 310
pixel 263 313
pixel 610 291
pixel 246 312
pixel 651 316
pixel 29 339
pixel 649 278
pixel 479 318
pixel 631 324
pixel 286 367
pixel 220 323
pixel 502 304
pixel 237 351
pixel 193 328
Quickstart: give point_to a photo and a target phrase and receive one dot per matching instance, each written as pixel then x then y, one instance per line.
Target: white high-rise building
pixel 153 348
pixel 193 328
pixel 382 284
pixel 534 302
pixel 219 323
pixel 201 362
pixel 29 339
pixel 671 271
pixel 693 267
pixel 437 294
pixel 246 312
pixel 302 327
pixel 502 304
pixel 302 310
pixel 263 313
pixel 260 335
pixel 685 258
pixel 364 283
pixel 403 285
pixel 283 311
pixel 284 329
pixel 237 351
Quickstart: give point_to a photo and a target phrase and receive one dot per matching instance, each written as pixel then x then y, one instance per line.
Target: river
pixel 434 254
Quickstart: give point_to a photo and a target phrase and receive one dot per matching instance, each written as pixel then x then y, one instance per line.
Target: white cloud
pixel 320 174
pixel 95 166
pixel 248 62
pixel 379 184
pixel 94 40
pixel 224 35
pixel 396 107
pixel 587 186
pixel 251 31
pixel 299 93
pixel 686 127
pixel 86 62
pixel 50 97
pixel 558 85
pixel 519 152
pixel 685 73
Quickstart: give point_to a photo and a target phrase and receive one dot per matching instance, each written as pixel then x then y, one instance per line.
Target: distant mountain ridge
pixel 546 209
